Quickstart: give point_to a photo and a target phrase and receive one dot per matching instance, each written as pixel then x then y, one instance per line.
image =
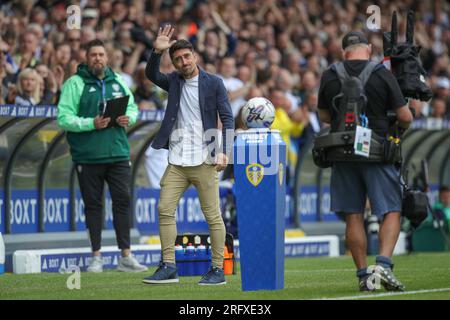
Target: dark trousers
pixel 91 178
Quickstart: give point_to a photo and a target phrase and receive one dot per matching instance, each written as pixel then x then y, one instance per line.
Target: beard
pixel 98 70
pixel 188 72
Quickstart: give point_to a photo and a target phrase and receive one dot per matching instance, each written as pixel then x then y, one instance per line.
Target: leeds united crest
pixel 255 173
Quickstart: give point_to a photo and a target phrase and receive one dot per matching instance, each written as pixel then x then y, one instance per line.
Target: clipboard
pixel 115 108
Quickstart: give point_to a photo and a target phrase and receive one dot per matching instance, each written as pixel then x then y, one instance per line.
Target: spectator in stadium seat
pixel 196 101
pixel 117 61
pixel 28 88
pixel 9 44
pixel 254 92
pixel 308 83
pixel 119 11
pixel 11 93
pixel 104 9
pixel 351 182
pixel 47 53
pixel 100 153
pixel 62 58
pixel 235 87
pixel 90 17
pixel 310 109
pixel 293 62
pixel 49 86
pixel 212 45
pixel 37 30
pixel 245 73
pixel 73 37
pixel 146 93
pixel 289 125
pixel 27 56
pixel 6 64
pixel 443 91
pixel 285 83
pixel 438 109
pixel 441 208
pixel 87 35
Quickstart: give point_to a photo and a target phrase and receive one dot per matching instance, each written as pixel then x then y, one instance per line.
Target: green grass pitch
pixel 305 278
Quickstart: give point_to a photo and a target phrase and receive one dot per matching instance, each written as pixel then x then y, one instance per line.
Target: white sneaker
pixel 96 265
pixel 130 264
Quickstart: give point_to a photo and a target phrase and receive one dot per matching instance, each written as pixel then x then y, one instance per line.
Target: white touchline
pixel 319 271
pixel 387 294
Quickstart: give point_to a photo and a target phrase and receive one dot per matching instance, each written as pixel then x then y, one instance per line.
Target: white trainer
pixel 96 265
pixel 130 264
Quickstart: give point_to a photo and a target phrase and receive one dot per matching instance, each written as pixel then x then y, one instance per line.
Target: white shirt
pixel 155 165
pixel 19 100
pixel 314 121
pixel 233 84
pixel 295 101
pixel 187 147
pixel 127 79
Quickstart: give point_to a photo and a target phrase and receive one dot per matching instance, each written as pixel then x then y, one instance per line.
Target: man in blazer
pixel 195 102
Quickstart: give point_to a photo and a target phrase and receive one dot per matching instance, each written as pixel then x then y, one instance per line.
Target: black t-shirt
pixel 382 91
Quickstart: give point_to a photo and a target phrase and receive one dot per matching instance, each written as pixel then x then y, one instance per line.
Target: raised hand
pixel 58 72
pixel 50 81
pixel 162 41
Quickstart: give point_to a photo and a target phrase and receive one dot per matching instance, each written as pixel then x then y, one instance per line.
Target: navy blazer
pixel 213 100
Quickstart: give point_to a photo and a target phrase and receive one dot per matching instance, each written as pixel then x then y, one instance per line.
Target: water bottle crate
pixel 192 259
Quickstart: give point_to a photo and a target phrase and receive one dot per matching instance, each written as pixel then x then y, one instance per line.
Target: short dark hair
pixel 94 43
pixel 59 45
pixel 443 188
pixel 180 44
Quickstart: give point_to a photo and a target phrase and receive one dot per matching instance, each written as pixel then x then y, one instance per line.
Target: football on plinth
pixel 258 112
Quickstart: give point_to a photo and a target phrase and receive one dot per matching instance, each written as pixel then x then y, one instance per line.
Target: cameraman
pixel 352 182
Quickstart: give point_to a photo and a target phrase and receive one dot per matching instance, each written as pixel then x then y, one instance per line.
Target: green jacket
pixel 440 206
pixel 79 104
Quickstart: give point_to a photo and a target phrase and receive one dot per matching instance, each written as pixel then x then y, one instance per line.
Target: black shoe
pixel 214 276
pixel 166 273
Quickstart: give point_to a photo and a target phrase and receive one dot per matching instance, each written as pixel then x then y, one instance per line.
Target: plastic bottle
pixel 227 261
pixel 189 257
pixel 202 264
pixel 2 255
pixel 179 259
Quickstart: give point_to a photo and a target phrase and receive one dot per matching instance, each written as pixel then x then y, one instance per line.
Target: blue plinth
pixel 260 185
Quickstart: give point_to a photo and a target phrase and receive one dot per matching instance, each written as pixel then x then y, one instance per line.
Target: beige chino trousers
pixel 174 182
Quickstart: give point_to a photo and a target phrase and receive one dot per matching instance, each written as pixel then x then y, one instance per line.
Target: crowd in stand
pixel 275 49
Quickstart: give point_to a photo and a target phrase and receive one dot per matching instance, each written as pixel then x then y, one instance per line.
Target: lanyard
pixel 101 84
pixel 364 120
